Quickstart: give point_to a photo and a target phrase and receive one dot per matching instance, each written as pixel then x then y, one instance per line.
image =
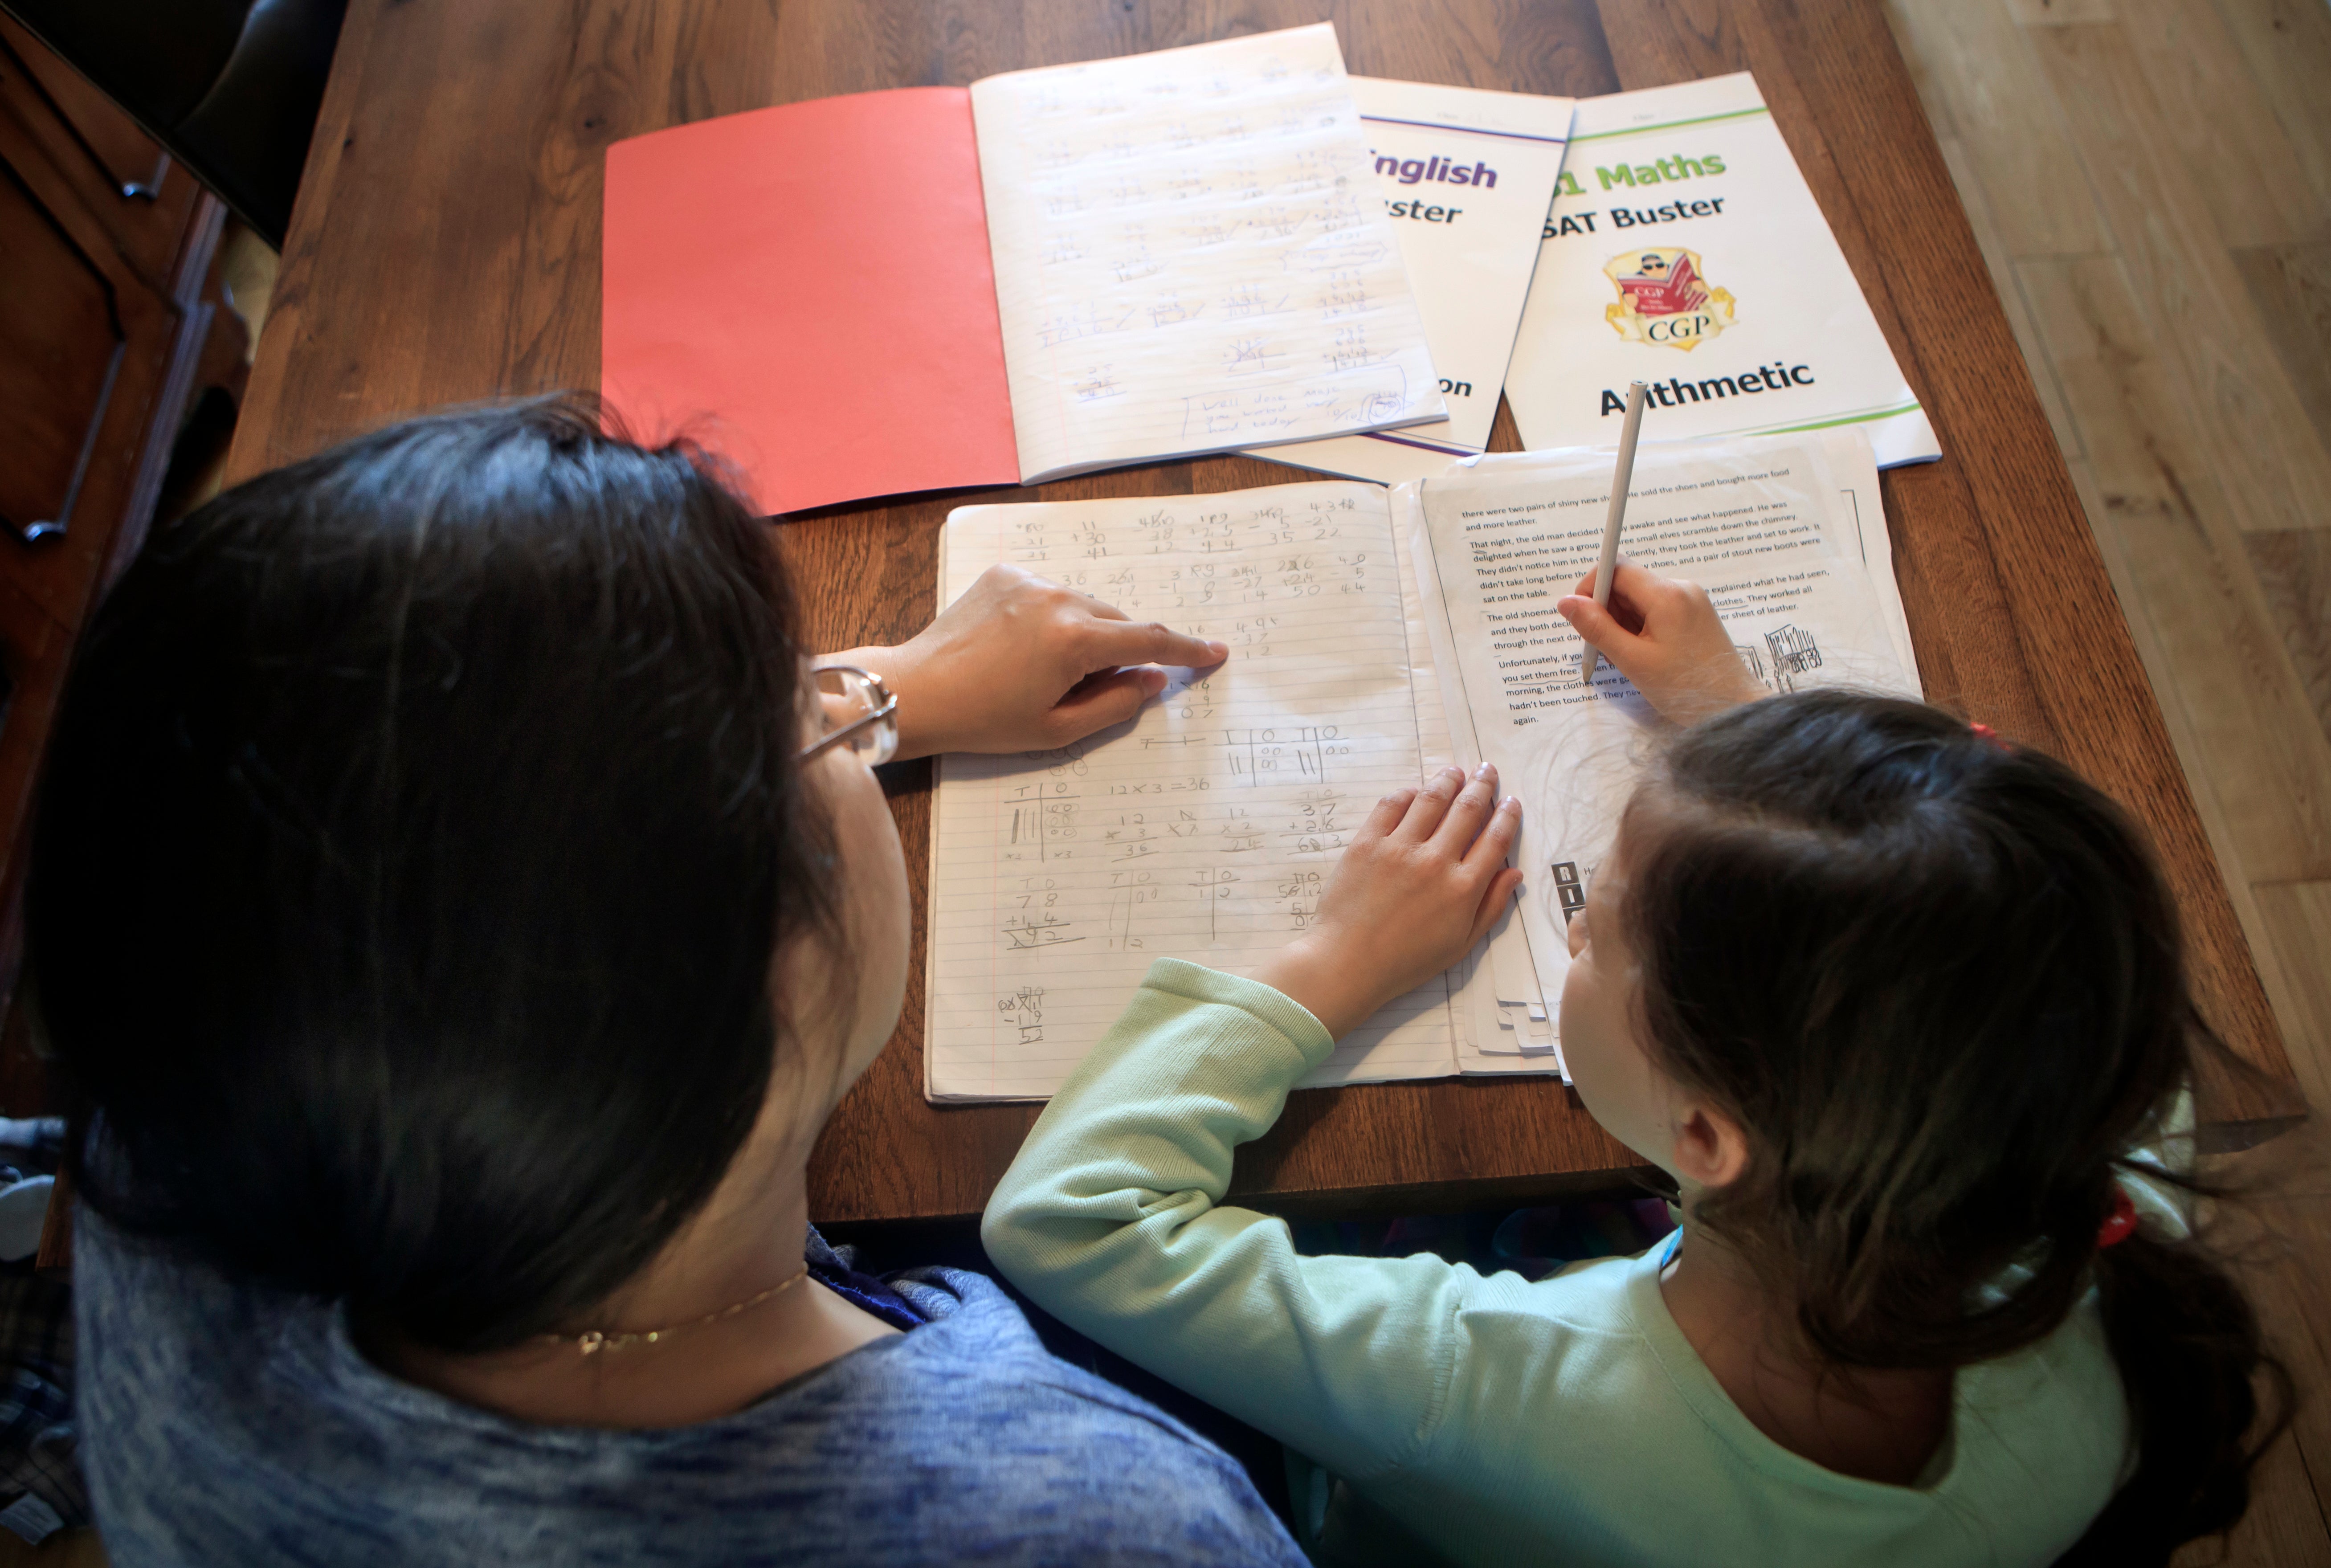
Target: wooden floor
pixel 2151 183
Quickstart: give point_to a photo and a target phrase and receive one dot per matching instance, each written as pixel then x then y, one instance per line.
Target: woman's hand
pixel 1023 664
pixel 1422 882
pixel 1664 635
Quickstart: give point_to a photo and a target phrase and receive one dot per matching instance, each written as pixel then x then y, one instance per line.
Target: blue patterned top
pixel 227 1425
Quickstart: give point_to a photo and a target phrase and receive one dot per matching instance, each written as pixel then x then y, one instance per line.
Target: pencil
pixel 1608 562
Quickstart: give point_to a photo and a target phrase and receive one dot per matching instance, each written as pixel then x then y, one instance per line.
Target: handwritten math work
pixel 1206 829
pixel 1191 254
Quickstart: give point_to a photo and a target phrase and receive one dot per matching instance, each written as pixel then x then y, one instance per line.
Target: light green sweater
pixel 1495 1421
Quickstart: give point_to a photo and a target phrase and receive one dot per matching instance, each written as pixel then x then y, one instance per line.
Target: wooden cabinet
pixel 110 322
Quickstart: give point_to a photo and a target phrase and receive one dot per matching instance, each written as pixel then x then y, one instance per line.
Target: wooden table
pixel 445 248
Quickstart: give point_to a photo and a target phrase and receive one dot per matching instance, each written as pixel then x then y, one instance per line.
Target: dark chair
pixel 230 87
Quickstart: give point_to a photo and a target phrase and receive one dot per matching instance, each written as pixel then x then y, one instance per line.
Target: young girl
pixel 1890 1001
pixel 456 909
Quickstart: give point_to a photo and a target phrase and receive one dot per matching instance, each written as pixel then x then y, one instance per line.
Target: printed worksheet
pixel 1207 828
pixel 1785 533
pixel 1190 255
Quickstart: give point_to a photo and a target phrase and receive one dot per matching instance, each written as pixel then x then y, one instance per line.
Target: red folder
pixel 818 274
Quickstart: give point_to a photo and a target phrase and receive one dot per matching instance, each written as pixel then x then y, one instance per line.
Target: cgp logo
pixel 1663 300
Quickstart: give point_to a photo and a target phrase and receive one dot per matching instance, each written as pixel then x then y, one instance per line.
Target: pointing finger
pixel 1149 642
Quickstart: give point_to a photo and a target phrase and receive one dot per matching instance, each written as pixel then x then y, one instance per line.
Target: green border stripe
pixel 1670 124
pixel 1826 423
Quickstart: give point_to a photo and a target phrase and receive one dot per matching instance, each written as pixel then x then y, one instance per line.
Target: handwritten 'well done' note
pixel 1203 830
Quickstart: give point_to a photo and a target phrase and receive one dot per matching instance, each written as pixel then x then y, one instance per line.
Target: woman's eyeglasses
pixel 858 711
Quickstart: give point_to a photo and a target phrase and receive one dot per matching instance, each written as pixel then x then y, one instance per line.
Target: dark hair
pixel 418 833
pixel 1938 979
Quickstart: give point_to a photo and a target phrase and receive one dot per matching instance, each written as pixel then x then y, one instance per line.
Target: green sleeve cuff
pixel 1196 983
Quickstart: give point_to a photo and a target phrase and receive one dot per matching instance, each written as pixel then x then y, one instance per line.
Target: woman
pixel 456 909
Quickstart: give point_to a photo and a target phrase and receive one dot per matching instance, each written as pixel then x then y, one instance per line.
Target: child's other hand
pixel 1421 883
pixel 1664 635
pixel 1020 663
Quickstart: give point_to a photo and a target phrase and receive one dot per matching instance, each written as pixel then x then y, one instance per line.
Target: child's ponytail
pixel 2191 1355
pixel 1940 984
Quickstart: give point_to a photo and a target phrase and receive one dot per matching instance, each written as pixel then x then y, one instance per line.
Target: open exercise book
pixel 1374 635
pixel 1050 272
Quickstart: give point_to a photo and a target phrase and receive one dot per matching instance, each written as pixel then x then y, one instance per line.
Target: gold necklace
pixel 593 1341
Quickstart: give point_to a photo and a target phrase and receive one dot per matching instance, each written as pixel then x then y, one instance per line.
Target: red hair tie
pixel 1988 734
pixel 2119 1222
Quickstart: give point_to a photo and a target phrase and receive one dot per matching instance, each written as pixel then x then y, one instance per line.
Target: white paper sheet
pixel 1483 1043
pixel 1761 523
pixel 1485 1039
pixel 1684 249
pixel 1466 176
pixel 1854 466
pixel 1206 829
pixel 1189 257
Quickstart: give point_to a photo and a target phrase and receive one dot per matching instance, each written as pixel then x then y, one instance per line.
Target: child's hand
pixel 1020 663
pixel 1665 636
pixel 1422 882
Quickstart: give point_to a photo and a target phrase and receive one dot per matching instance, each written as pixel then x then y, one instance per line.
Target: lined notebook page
pixel 1203 830
pixel 1192 255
